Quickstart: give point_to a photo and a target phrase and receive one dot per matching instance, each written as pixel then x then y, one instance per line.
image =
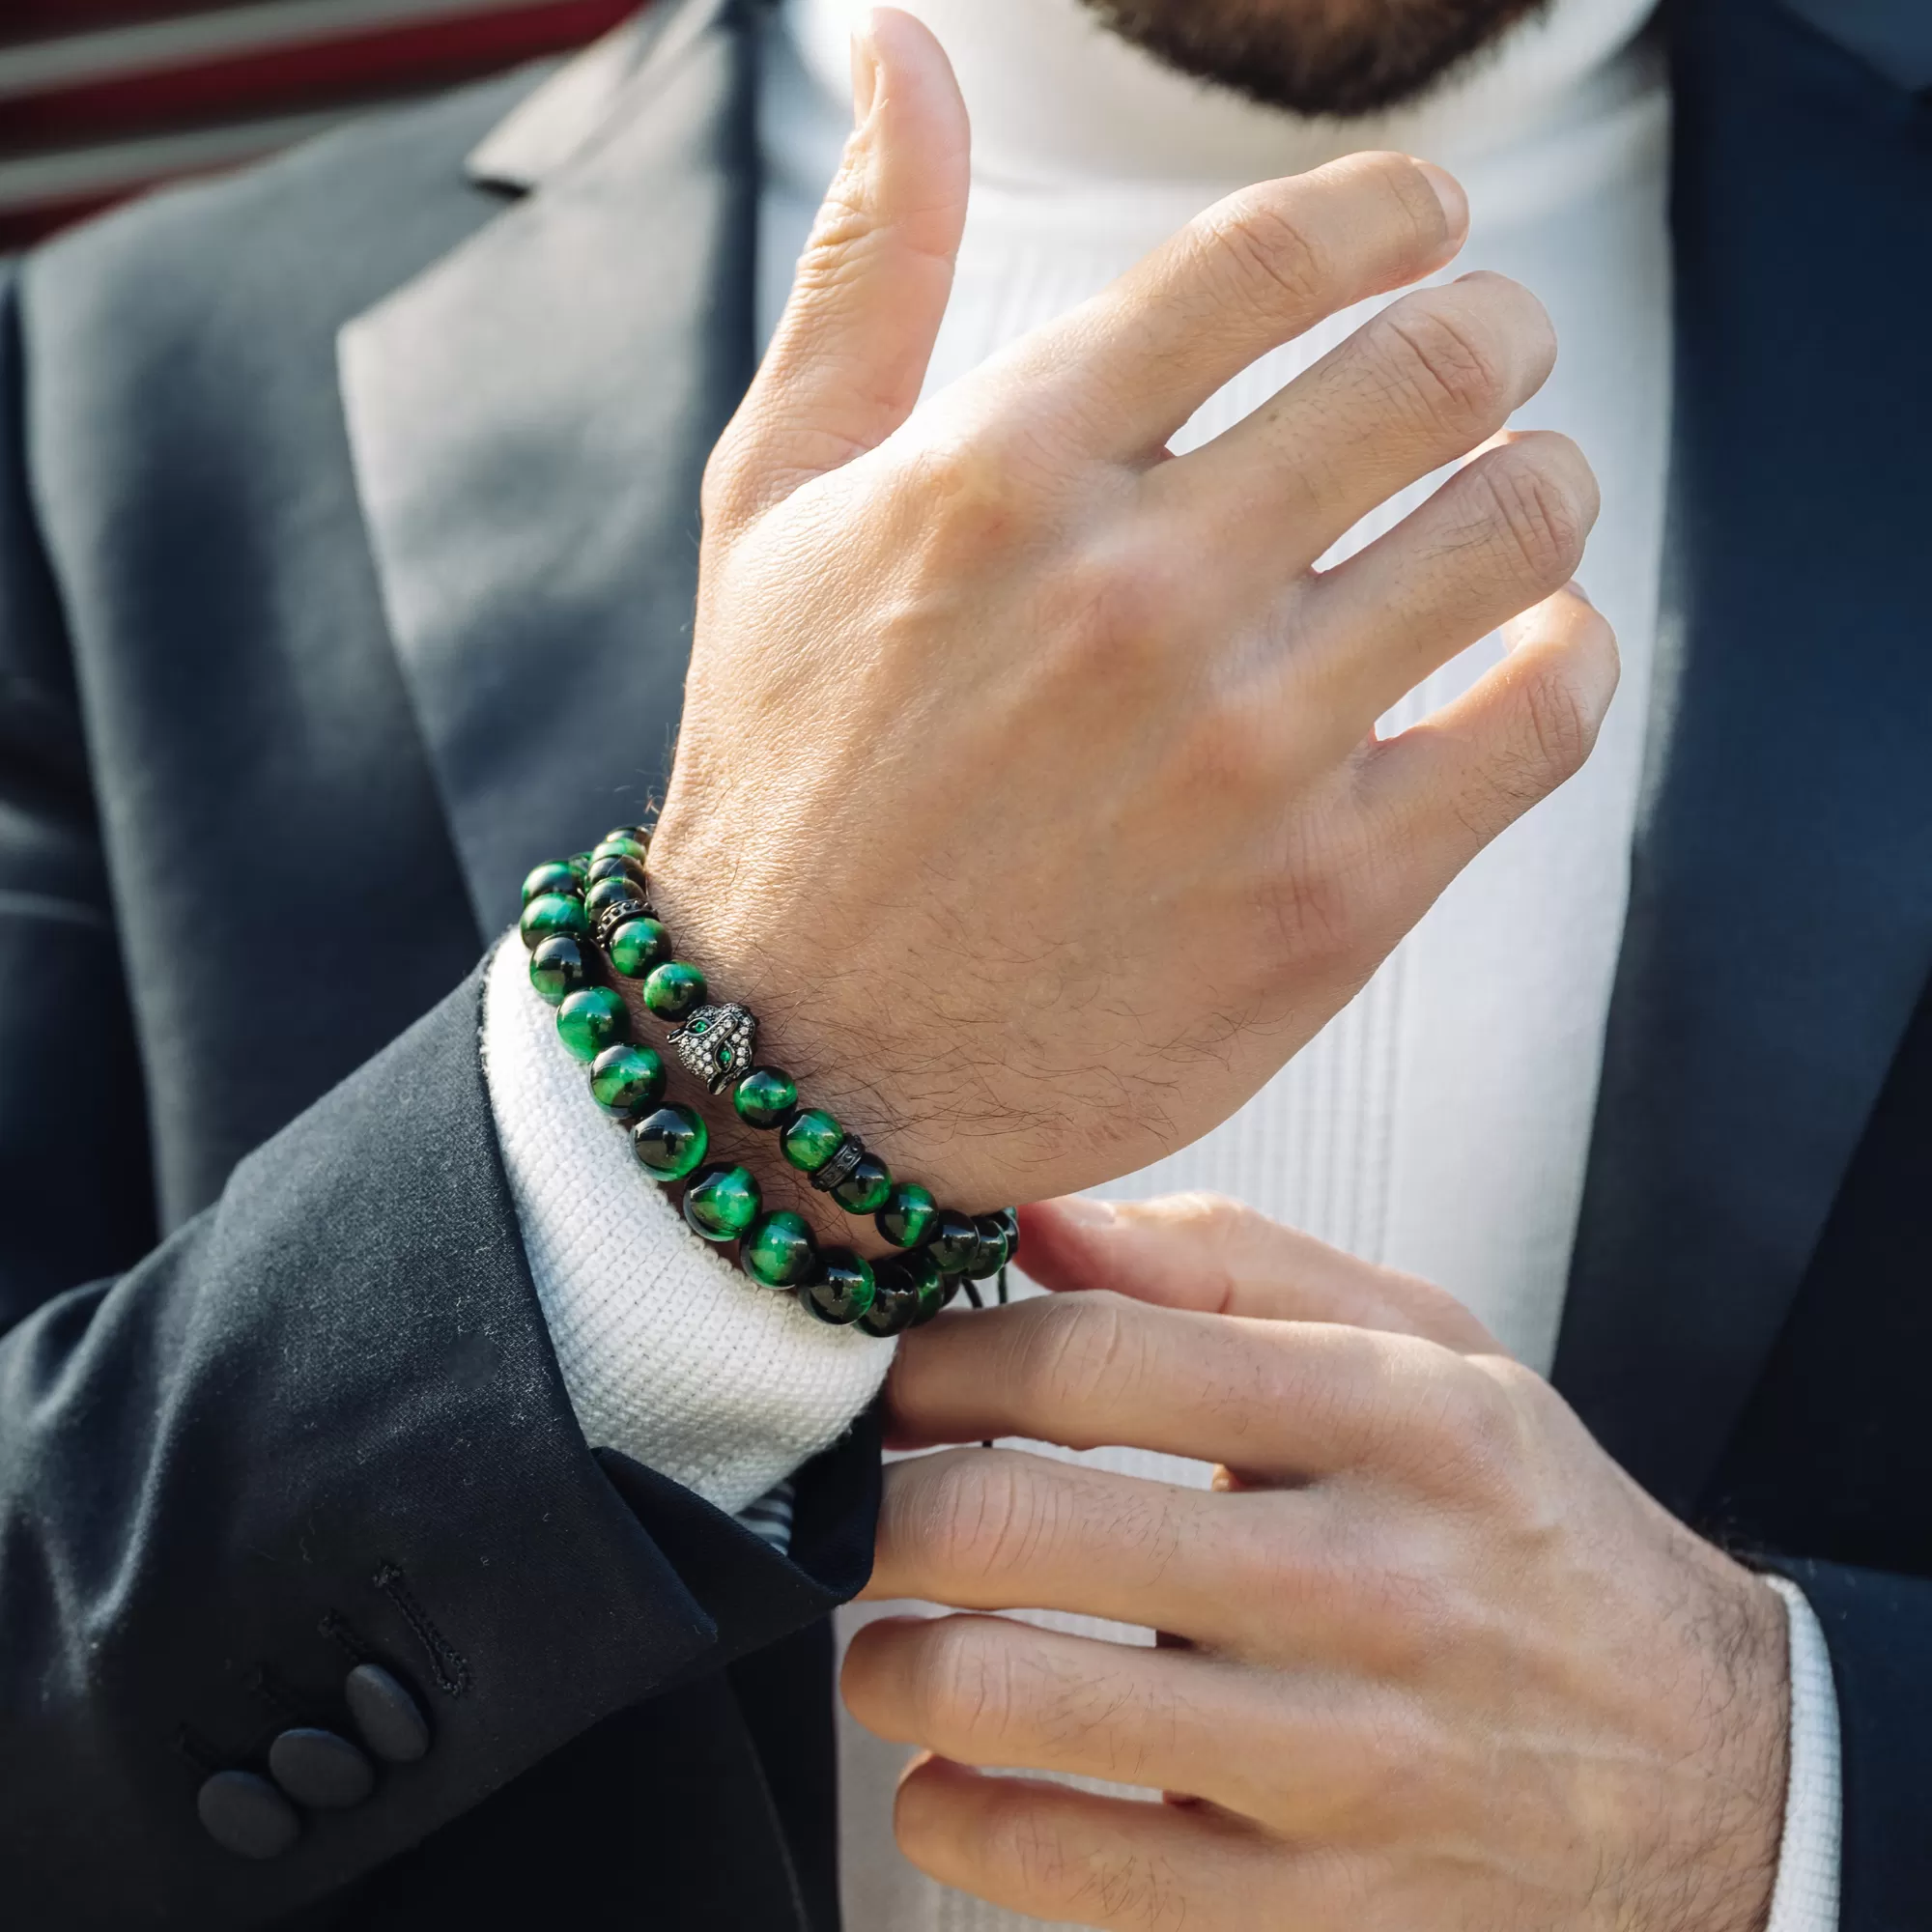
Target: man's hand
pixel 1028 786
pixel 1441 1664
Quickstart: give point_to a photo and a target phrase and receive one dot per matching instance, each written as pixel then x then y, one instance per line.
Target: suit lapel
pixel 529 421
pixel 1781 922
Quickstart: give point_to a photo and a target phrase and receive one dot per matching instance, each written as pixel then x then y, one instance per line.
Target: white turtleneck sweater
pixel 1441 1123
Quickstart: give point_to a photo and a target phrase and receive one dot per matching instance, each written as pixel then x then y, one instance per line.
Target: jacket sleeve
pixel 1878 1630
pixel 318 1430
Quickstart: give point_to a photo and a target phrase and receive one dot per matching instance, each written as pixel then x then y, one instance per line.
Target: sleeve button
pixel 317 1768
pixel 246 1815
pixel 390 1720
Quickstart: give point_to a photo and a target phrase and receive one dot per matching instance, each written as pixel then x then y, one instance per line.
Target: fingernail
pixel 1449 192
pixel 1084 1212
pixel 864 73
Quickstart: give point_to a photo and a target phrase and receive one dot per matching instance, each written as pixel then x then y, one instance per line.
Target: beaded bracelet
pixel 601 898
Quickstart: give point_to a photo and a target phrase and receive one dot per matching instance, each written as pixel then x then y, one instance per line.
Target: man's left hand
pixel 1429 1657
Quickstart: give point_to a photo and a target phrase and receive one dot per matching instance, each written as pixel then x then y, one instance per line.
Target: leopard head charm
pixel 716 1044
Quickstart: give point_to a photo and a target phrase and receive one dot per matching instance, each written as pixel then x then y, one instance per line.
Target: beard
pixel 1316 56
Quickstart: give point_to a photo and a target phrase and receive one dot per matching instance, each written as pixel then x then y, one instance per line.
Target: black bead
pixel 618 866
pixel 318 1769
pixel 1011 1223
pixel 391 1722
pixel 557 968
pixel 989 1257
pixel 246 1815
pixel 896 1303
pixel 956 1243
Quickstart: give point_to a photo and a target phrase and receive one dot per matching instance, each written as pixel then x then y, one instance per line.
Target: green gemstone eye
pixel 698 1028
pixel 723 1056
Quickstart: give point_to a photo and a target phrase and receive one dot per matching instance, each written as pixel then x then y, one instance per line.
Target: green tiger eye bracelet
pixel 599 902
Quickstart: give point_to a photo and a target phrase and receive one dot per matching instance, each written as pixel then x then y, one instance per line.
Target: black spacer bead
pixel 612 917
pixel 850 1152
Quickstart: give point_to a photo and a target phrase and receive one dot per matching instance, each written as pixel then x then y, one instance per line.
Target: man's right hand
pixel 1028 784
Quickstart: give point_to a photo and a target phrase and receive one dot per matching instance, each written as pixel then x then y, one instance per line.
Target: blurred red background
pixel 101 99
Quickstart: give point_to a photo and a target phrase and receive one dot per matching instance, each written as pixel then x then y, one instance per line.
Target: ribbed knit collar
pixel 1059 103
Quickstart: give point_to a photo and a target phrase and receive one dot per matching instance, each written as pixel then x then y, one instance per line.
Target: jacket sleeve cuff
pixel 1805 1897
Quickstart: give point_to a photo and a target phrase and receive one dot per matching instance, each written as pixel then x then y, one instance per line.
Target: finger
pixel 1075 1859
pixel 1504 533
pixel 1279 1401
pixel 1219 1257
pixel 1000 1529
pixel 850 353
pixel 1418 385
pixel 988 1690
pixel 1251 272
pixel 1450 784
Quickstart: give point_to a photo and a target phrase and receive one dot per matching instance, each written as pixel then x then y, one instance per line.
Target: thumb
pixel 846 366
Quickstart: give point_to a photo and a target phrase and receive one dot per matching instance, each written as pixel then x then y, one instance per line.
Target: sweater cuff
pixel 1805 1897
pixel 669 1353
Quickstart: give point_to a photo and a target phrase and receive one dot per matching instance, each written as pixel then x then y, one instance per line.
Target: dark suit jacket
pixel 347 543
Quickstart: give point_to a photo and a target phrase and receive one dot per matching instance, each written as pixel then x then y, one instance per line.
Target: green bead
pixel 608 892
pixel 590 1020
pixel 810 1139
pixel 580 863
pixel 554 875
pixel 674 989
pixel 615 867
pixel 866 1188
pixel 553 912
pixel 765 1096
pixel 989 1257
pixel 895 1304
pixel 557 967
pixel 627 1080
pixel 639 945
pixel 722 1202
pixel 843 1290
pixel 909 1215
pixel 638 834
pixel 778 1250
pixel 954 1242
pixel 671 1143
pixel 621 847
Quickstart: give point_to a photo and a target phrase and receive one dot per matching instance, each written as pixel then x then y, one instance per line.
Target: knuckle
pixel 1116 606
pixel 1090 1353
pixel 1274 258
pixel 1476 1441
pixel 1559 728
pixel 969 494
pixel 987 1514
pixel 966 1689
pixel 1536 516
pixel 1315 908
pixel 1434 364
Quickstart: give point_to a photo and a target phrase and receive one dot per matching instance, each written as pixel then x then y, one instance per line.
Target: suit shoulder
pixel 335 223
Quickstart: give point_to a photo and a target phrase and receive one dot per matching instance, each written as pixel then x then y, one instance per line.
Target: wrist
pixel 860 1042
pixel 1727 1858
